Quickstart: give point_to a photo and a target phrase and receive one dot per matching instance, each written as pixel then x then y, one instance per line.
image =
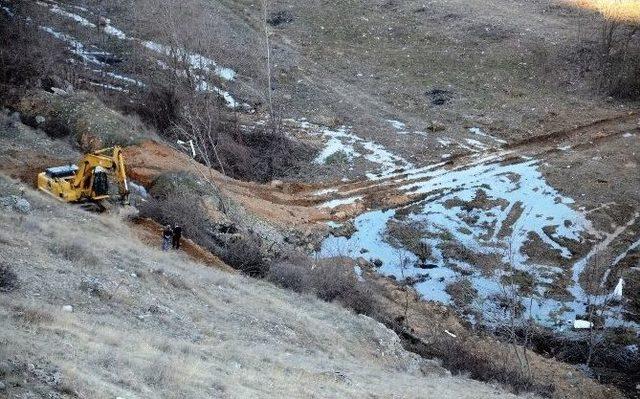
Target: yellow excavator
pixel 88 180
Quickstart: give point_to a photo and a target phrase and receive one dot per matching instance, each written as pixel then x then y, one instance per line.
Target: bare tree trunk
pixel 268 55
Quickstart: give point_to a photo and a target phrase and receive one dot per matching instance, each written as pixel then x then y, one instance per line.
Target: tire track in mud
pixel 386 192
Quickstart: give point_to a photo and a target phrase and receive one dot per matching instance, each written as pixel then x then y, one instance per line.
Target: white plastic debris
pixel 617 292
pixel 582 324
pixel 449 333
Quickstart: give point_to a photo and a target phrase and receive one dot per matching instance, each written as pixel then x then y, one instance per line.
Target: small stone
pixel 40 119
pixel 31 367
pixel 2 386
pixel 22 206
pixel 134 275
pixel 377 262
pixel 277 184
pixel 67 308
pixel 436 126
pixel 58 91
pixel 341 215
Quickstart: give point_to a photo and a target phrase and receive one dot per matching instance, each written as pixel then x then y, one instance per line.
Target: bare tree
pixel 267 46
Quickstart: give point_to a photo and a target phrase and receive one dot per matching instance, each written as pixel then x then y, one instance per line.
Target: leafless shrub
pixel 8 279
pixel 73 251
pixel 288 275
pixel 33 315
pixel 329 282
pixel 177 198
pixel 460 358
pixel 462 292
pixel 243 253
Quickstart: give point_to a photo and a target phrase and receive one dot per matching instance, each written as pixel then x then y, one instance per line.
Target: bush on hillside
pixel 8 279
pixel 329 282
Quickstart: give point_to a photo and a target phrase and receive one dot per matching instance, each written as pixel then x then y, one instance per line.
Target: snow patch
pixel 340 201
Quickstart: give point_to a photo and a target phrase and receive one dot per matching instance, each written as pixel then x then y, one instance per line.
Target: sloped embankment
pixel 97 313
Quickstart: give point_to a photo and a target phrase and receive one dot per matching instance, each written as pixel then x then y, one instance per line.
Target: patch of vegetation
pixel 524 280
pixel 328 281
pixel 337 158
pixel 8 279
pixel 462 292
pixel 461 357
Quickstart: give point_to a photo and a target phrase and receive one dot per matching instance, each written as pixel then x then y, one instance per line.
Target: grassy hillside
pixel 90 311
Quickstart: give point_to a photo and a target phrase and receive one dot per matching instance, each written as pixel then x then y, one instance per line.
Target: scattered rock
pixel 58 92
pixel 377 262
pixel 67 308
pixel 19 204
pixel 40 119
pixel 22 206
pixel 2 386
pixel 344 230
pixel 278 184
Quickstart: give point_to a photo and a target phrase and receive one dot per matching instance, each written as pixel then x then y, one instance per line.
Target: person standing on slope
pixel 167 234
pixel 177 235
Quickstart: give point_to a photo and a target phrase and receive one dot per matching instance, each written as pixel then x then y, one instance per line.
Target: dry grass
pixel 626 11
pixel 167 327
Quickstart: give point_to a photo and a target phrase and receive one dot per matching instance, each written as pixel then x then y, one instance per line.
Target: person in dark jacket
pixel 167 233
pixel 177 235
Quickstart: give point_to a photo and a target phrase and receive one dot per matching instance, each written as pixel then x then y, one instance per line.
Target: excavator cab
pixel 88 180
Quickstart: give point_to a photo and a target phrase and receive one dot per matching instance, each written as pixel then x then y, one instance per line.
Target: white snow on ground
pixel 109 87
pixel 544 212
pixel 337 141
pixel 75 46
pixel 480 132
pixel 325 191
pixel 196 62
pixel 401 127
pixel 475 143
pixel 123 78
pixel 8 11
pixel 344 140
pixel 112 31
pixel 79 19
pixel 340 201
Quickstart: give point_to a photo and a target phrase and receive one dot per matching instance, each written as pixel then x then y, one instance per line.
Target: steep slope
pixel 96 313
